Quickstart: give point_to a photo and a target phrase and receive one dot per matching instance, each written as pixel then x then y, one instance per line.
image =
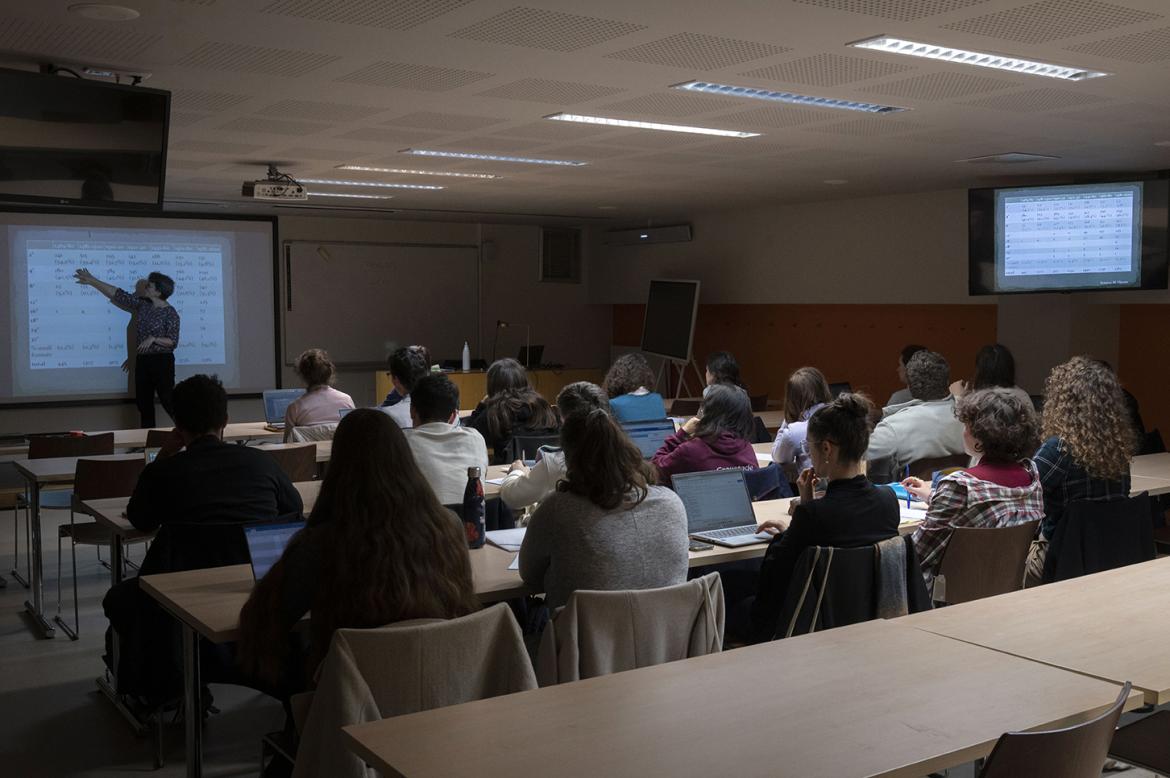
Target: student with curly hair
pixel 321 403
pixel 628 385
pixel 1002 488
pixel 1089 441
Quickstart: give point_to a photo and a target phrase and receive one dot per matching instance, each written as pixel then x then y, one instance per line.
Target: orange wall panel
pixel 1144 361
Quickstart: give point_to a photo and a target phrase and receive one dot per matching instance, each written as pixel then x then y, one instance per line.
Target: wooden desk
pixel 473 384
pixel 1150 473
pixel 235 432
pixel 870 699
pixel 1110 625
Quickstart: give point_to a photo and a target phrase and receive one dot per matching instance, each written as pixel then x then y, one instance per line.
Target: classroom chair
pixel 759 402
pixel 1144 743
pixel 1072 752
pixel 760 432
pixel 94 479
pixel 598 633
pixel 51 447
pixel 983 562
pixel 766 483
pixel 1097 535
pixel 926 468
pixel 525 446
pixel 413 666
pixel 313 432
pixel 299 463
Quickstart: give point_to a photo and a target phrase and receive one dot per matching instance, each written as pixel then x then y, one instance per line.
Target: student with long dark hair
pixel 378 548
pixel 606 527
pixel 995 368
pixel 718 437
pixel 511 407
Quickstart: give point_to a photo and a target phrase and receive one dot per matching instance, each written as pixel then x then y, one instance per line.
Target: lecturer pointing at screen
pixel 157 324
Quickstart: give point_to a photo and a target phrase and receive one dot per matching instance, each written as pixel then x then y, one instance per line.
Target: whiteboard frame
pixel 694 318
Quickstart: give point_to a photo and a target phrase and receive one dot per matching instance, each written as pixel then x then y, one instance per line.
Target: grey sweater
pixel 573 544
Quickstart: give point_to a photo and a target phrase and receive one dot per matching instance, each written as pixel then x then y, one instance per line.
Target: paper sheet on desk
pixel 507 539
pixel 515 565
pixel 494 481
pixel 912 514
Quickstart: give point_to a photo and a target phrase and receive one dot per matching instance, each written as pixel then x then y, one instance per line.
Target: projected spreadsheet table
pixel 71 326
pixel 1069 234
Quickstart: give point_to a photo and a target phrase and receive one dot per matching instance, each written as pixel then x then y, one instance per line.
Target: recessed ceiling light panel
pixel 352 195
pixel 1027 67
pixel 378 184
pixel 492 157
pixel 638 125
pixel 408 172
pixel 810 101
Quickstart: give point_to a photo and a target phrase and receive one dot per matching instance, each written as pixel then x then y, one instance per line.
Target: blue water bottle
pixel 473 509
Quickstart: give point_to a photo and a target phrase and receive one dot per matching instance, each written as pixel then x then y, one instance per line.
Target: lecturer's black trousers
pixel 153 373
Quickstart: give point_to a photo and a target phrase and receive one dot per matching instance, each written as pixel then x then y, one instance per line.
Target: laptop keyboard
pixel 730 532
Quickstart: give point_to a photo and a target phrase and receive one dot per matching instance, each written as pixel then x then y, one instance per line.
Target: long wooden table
pixel 1110 625
pixel 1150 473
pixel 874 699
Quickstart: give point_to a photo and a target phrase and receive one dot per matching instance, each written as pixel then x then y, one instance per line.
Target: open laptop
pixel 276 402
pixel 649 435
pixel 719 507
pixel 266 543
pixel 530 356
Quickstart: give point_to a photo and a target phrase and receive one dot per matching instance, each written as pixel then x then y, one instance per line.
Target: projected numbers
pixel 1069 234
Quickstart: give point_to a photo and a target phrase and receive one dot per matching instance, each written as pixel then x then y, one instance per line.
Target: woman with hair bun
pixel 321 402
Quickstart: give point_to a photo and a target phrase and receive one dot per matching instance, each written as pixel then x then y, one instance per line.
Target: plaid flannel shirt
pixel 1064 480
pixel 962 500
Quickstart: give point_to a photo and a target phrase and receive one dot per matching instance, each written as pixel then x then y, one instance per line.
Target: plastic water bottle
pixel 466 358
pixel 473 510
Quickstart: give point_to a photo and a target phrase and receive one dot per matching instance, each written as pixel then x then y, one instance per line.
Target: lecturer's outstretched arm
pixel 123 301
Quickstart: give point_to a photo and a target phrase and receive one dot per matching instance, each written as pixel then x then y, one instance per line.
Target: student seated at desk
pixel 606 527
pixel 407 365
pixel 923 429
pixel 320 403
pixel 626 385
pixel 717 438
pixel 1089 441
pixel 853 512
pixel 197 499
pixel 1002 488
pixel 807 392
pixel 523 485
pixel 723 369
pixel 903 395
pixel 442 449
pixel 378 548
pixel 511 407
pixel 995 367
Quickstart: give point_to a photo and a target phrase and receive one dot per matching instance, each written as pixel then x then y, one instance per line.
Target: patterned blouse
pixel 962 500
pixel 151 322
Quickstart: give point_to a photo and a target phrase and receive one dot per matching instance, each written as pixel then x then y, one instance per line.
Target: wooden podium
pixel 473 385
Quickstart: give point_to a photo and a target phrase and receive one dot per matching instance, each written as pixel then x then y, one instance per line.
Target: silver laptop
pixel 266 544
pixel 276 402
pixel 649 436
pixel 719 507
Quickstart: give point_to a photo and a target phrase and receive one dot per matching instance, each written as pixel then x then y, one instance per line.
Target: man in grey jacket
pixel 923 429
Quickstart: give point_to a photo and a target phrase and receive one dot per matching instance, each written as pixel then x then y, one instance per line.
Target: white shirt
pixel 400 412
pixel 444 452
pixel 921 431
pixel 520 490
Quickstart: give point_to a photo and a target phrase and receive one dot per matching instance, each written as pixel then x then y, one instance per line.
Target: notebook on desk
pixel 276 402
pixel 266 544
pixel 719 507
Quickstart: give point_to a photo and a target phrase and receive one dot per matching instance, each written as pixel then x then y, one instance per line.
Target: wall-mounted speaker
pixel 673 234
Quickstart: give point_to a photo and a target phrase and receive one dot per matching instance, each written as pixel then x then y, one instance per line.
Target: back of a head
pixel 200 405
pixel 806 387
pixel 434 398
pixel 601 462
pixel 163 283
pixel 506 375
pixel 627 374
pixel 909 351
pixel 845 421
pixel 994 366
pixel 408 364
pixel 724 369
pixel 315 367
pixel 512 400
pixel 726 408
pixel 929 376
pixel 1003 424
pixel 581 397
pixel 1085 407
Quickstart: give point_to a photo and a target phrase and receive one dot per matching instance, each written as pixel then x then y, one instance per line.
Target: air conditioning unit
pixel 673 234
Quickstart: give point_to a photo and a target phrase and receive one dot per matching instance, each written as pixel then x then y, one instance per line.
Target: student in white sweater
pixel 442 449
pixel 524 486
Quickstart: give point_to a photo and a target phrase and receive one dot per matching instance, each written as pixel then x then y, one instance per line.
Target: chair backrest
pixel 767 483
pixel 926 468
pixel 403 668
pixel 54 446
pixel 685 407
pixel 299 463
pixel 98 479
pixel 983 561
pixel 496 514
pixel 1097 535
pixel 523 446
pixel 1152 443
pixel 1073 752
pixel 313 432
pixel 157 438
pixel 759 402
pixel 600 632
pixel 760 431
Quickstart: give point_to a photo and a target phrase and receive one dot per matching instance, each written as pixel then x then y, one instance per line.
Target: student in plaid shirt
pixel 1000 432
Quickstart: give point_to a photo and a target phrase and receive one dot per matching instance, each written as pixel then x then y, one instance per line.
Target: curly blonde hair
pixel 1085 409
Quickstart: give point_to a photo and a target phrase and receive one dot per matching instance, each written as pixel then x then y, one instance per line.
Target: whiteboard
pixel 360 301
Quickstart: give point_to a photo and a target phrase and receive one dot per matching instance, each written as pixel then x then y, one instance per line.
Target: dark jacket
pixel 680 453
pixel 521 424
pixel 198 498
pixel 852 513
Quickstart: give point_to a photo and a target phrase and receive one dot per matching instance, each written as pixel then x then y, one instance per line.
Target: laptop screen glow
pixel 714 500
pixel 649 436
pixel 276 402
pixel 266 544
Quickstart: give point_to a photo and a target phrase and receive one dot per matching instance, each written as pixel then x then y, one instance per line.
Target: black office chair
pixel 766 483
pixel 524 446
pixel 760 432
pixel 1098 535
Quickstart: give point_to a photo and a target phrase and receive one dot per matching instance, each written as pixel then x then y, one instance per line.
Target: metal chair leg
pixel 71 632
pixel 23 580
pixel 76 604
pixel 159 758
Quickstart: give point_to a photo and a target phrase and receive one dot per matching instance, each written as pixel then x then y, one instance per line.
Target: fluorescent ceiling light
pixel 351 194
pixel 608 122
pixel 492 157
pixel 408 172
pixel 981 59
pixel 785 97
pixel 379 184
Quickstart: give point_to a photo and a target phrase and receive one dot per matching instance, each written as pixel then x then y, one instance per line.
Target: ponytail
pixel 601 462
